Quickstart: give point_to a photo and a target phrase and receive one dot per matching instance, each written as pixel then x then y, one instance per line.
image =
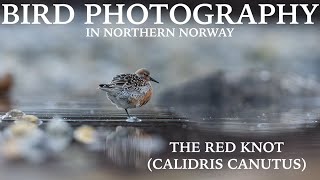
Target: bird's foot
pixel 133 119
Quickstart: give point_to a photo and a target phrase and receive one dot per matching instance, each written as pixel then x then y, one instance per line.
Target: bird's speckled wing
pixel 129 82
pixel 128 90
pixel 130 87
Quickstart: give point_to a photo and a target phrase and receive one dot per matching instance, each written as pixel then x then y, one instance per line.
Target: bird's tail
pixel 104 87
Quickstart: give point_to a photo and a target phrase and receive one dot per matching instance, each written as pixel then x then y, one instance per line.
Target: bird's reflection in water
pixel 130 147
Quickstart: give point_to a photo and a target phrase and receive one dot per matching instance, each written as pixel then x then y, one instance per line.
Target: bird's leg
pixel 127 113
pixel 132 118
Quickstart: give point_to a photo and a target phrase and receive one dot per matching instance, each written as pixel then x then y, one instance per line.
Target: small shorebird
pixel 130 90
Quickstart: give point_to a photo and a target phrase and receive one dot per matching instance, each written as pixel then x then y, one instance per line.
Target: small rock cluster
pixel 24 140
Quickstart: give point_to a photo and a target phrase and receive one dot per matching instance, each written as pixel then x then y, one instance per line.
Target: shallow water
pixel 128 148
pixel 98 113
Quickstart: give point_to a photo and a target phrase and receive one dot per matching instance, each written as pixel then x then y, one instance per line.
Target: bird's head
pixel 145 74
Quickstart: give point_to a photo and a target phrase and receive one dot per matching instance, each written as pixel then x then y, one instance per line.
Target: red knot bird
pixel 130 90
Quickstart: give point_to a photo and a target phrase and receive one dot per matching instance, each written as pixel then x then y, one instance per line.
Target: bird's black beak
pixel 151 79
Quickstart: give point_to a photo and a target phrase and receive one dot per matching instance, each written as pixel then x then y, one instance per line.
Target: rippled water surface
pixel 126 147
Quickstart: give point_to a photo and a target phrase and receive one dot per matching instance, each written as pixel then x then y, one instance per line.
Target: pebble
pixel 31 119
pixel 57 127
pixel 85 134
pixel 59 134
pixel 20 129
pixel 14 114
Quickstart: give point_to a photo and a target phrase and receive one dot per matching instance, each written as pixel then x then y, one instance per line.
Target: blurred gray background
pixel 61 61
